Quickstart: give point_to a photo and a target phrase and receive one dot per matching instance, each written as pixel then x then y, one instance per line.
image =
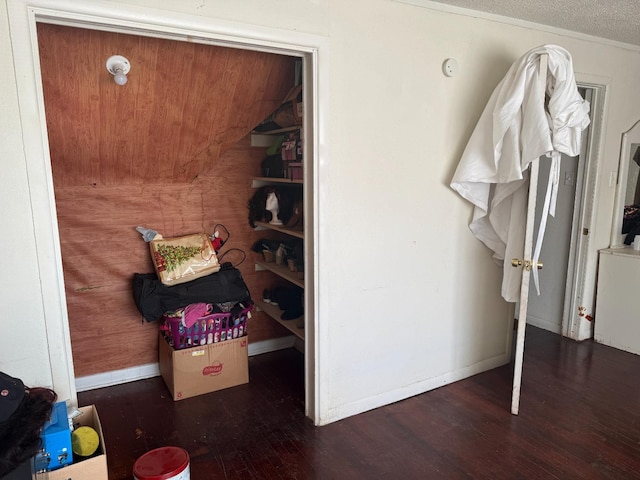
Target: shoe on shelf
pixel 268 255
pixel 266 296
pixel 292 313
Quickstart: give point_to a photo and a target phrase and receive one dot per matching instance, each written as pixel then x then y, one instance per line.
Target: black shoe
pixel 292 313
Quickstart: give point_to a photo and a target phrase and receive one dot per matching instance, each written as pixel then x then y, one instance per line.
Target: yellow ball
pixel 84 441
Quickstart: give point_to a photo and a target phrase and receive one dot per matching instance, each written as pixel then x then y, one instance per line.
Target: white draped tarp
pixel 517 127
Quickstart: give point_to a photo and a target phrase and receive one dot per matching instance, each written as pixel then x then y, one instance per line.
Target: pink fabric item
pixel 193 312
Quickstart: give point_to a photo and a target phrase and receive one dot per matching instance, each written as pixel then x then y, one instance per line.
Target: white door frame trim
pixel 100 15
pixel 583 258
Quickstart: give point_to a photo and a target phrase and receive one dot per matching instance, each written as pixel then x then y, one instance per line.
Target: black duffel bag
pixel 153 298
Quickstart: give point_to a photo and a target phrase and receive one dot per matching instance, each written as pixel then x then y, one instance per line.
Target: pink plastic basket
pixel 213 328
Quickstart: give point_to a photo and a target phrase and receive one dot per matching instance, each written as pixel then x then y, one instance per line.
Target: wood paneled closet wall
pixel 169 151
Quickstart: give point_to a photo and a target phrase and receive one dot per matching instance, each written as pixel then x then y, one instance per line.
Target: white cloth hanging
pixel 515 128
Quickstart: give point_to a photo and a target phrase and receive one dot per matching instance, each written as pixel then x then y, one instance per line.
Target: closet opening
pixel 138 156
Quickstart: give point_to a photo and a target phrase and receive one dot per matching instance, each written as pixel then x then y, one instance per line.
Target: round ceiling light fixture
pixel 118 66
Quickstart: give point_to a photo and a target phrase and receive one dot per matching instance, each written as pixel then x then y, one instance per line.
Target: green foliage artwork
pixel 174 255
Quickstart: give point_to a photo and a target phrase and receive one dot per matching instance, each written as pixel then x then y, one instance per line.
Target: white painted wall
pixel 407 299
pixel 24 351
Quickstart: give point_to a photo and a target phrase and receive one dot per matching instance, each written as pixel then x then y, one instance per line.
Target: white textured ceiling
pixel 617 20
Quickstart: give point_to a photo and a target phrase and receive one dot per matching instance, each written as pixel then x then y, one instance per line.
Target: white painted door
pixel 525 262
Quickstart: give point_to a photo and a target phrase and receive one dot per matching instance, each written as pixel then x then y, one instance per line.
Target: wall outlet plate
pixel 450 67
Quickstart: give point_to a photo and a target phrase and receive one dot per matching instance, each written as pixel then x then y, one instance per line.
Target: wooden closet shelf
pixel 276 131
pixel 257 182
pixel 297 278
pixel 275 313
pixel 281 229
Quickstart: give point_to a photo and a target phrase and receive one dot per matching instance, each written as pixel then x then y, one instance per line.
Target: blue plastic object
pixel 56 441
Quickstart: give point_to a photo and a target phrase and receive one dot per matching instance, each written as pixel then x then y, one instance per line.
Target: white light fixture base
pixel 118 61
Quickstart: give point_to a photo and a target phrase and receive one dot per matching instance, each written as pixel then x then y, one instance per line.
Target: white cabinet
pixel 617 320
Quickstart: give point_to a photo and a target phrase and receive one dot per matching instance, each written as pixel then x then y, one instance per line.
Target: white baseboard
pixel 117 377
pixel 545 324
pixel 354 408
pixel 140 372
pixel 271 345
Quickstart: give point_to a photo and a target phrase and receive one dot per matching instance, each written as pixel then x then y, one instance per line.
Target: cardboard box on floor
pixel 94 467
pixel 203 369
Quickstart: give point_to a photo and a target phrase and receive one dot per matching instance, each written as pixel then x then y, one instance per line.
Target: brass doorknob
pixel 516 262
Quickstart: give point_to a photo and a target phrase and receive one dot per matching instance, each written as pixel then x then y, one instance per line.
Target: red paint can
pixel 165 463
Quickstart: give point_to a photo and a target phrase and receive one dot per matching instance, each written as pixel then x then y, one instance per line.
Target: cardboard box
pixel 94 467
pixel 198 370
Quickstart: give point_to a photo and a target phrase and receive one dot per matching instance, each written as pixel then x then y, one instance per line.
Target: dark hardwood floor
pixel 579 419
